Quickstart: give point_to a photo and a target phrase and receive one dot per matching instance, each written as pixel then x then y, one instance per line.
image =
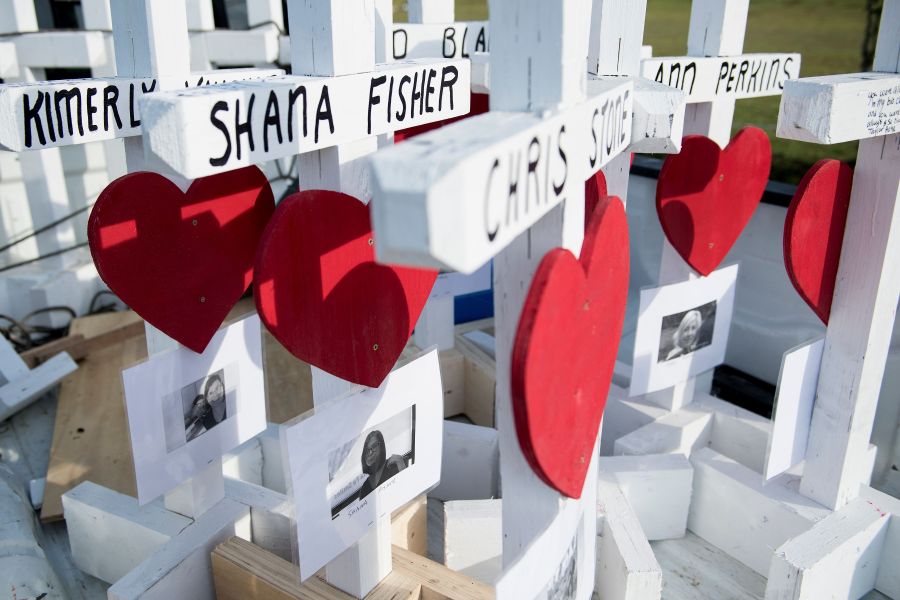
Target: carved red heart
pixel 814 232
pixel 180 260
pixel 706 196
pixel 321 294
pixel 594 191
pixel 565 349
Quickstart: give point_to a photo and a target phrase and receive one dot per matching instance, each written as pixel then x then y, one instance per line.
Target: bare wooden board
pixel 288 382
pixel 243 571
pixel 90 438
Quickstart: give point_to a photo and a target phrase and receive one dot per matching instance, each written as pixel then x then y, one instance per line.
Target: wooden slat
pixel 243 571
pixel 90 438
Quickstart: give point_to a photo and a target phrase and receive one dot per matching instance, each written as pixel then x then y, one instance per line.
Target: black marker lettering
pixel 447 82
pixel 91 109
pixel 323 112
pixel 33 116
pixel 272 117
pixel 449 32
pixel 373 98
pixel 245 128
pixel 67 95
pixel 429 91
pixel 292 99
pixel 487 203
pixel 218 124
pixel 110 97
pixel 404 79
pixel 557 189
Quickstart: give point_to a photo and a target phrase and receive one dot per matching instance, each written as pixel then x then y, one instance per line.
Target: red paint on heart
pixel 565 350
pixel 814 233
pixel 706 196
pixel 180 260
pixel 478 104
pixel 320 292
pixel 594 191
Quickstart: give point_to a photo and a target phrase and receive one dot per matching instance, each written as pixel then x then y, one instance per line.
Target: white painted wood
pixel 435 325
pixel 305 113
pixel 181 567
pixel 197 495
pixel 624 415
pixel 836 558
pixel 473 538
pixel 678 432
pixel 231 48
pixel 200 15
pixel 271 515
pixel 25 571
pixel 40 115
pixel 19 393
pixel 469 463
pixel 840 108
pixel 658 489
pixel 261 12
pixel 737 433
pixel 12 367
pixel 863 309
pixel 431 11
pixel 447 39
pixel 888 579
pixel 9 63
pixel 244 463
pixel 36 489
pixel 456 207
pixel 734 511
pixel 110 535
pixel 792 413
pixel 705 79
pixel 17 16
pixel 626 566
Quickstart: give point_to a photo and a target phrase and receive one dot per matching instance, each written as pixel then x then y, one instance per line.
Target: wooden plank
pixel 242 570
pixel 284 116
pixel 837 557
pixel 840 108
pixel 626 566
pixel 48 114
pixel 473 538
pixel 288 382
pixel 454 208
pixel 90 437
pixel 704 79
pixel 888 580
pixel 78 346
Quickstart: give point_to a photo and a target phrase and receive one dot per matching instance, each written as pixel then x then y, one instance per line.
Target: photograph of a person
pixel 204 410
pixel 195 409
pixel 686 332
pixel 367 462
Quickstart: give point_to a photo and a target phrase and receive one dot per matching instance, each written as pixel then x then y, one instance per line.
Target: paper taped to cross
pixel 186 409
pixel 352 468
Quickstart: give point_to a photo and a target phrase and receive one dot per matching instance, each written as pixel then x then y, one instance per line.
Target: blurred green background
pixel 828 33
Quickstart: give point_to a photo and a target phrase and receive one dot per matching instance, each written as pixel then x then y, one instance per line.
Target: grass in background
pixel 828 33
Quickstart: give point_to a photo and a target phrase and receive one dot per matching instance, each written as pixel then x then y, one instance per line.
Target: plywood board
pixel 90 438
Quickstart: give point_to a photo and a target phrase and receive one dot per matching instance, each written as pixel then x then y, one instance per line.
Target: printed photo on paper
pixel 361 466
pixel 682 330
pixel 360 457
pixel 187 409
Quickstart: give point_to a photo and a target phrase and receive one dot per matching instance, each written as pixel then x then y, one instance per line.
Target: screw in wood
pixel 375 347
pixel 371 241
pixel 202 299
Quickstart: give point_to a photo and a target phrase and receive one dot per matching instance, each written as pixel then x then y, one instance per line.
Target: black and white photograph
pixel 564 585
pixel 362 465
pixel 686 332
pixel 186 409
pixel 682 330
pixel 361 456
pixel 202 405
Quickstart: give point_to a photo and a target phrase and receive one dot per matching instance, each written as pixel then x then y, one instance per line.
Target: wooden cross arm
pixel 204 131
pixel 62 49
pixel 658 116
pixel 704 79
pixel 456 196
pixel 458 39
pixel 840 108
pixel 44 114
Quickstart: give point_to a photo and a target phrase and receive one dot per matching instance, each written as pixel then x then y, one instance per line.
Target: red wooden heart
pixel 814 232
pixel 565 349
pixel 180 260
pixel 321 294
pixel 594 191
pixel 706 196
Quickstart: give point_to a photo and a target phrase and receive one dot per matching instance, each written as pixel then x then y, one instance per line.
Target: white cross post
pixel 714 75
pixel 830 110
pixel 509 184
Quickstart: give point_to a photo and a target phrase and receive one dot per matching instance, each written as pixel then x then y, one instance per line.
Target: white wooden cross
pixel 714 75
pixel 510 185
pixel 830 110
